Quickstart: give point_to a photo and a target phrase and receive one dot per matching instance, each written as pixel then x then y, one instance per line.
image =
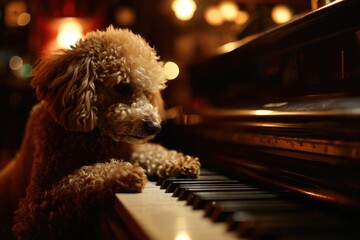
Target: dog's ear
pixel 65 81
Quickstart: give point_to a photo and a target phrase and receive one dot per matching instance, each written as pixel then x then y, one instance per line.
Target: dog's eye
pixel 122 87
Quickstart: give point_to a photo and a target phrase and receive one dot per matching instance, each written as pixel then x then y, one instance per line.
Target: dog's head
pixel 110 80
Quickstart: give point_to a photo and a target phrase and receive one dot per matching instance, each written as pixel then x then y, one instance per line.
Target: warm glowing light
pixel 281 14
pixel 171 70
pixel 229 10
pixel 184 9
pixel 228 47
pixel 182 236
pixel 125 16
pixel 277 104
pixel 242 17
pixel 213 16
pixel 16 63
pixel 69 33
pixel 23 19
pixel 262 112
pixel 12 11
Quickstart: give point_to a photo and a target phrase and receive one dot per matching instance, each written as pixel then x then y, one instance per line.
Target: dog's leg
pixel 161 162
pixel 53 213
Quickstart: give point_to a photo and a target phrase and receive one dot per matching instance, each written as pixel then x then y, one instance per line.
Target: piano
pixel 275 120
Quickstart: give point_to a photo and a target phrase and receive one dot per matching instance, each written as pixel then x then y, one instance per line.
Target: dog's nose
pixel 152 127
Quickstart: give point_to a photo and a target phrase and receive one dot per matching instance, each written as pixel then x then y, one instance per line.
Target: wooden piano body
pixel 281 108
pixel 284 105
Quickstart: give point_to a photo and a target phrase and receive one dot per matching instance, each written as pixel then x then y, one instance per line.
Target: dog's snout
pixel 152 127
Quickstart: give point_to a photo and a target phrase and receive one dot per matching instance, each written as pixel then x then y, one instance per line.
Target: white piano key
pixel 155 215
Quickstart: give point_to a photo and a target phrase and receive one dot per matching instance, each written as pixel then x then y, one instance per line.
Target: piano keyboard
pixel 217 207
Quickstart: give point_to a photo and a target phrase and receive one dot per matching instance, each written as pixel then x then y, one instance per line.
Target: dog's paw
pixel 180 165
pixel 130 178
pixel 120 176
pixel 190 166
pixel 135 179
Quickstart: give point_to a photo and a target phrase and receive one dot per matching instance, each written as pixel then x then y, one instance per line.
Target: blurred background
pixel 182 31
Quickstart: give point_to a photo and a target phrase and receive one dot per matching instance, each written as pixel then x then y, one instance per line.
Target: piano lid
pixel 309 107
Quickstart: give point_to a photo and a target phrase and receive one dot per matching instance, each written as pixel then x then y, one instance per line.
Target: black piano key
pixel 266 215
pixel 200 199
pixel 207 172
pixel 181 187
pixel 165 183
pixel 236 187
pixel 203 173
pixel 159 181
pixel 172 185
pixel 258 225
pixel 220 210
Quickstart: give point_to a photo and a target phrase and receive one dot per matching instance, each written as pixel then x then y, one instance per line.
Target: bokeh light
pixel 281 14
pixel 213 16
pixel 25 70
pixel 70 31
pixel 229 10
pixel 171 70
pixel 23 19
pixel 125 16
pixel 184 9
pixel 12 12
pixel 15 63
pixel 242 17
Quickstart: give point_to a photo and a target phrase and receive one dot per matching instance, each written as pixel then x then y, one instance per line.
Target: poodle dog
pixel 86 139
